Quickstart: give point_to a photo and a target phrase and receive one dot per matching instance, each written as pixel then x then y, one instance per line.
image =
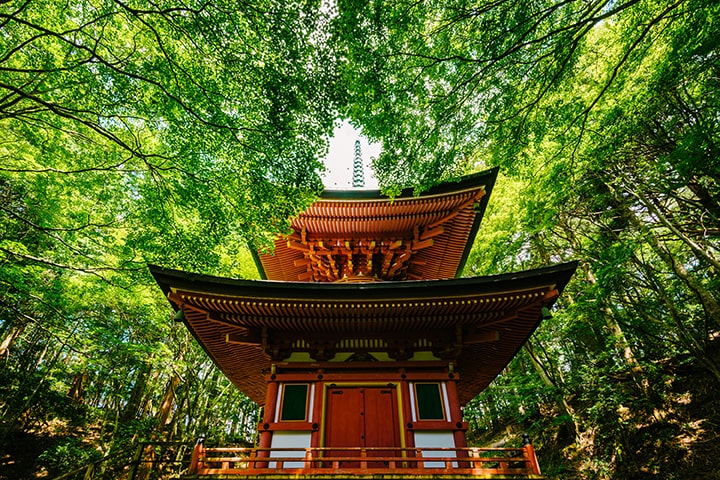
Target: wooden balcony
pixel 346 462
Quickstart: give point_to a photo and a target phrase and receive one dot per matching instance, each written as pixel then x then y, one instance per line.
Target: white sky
pixel 339 162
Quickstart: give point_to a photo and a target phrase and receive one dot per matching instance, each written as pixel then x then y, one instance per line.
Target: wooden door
pixel 381 423
pixel 344 423
pixel 362 417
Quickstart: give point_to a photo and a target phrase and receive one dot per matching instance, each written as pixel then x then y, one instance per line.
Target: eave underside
pixel 479 324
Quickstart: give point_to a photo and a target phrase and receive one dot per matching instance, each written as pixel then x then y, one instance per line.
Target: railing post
pixel 475 455
pixel 198 454
pixel 418 454
pixel 363 458
pixel 308 459
pixel 252 458
pixel 529 452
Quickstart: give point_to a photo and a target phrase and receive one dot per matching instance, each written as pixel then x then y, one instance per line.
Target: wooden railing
pixel 518 462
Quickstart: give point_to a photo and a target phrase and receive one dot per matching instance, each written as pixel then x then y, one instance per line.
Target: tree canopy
pixel 178 133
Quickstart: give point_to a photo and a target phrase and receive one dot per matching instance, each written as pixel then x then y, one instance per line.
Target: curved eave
pixel 509 305
pixel 168 279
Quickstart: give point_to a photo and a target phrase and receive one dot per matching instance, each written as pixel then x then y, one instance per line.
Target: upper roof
pixel 360 234
pixel 477 323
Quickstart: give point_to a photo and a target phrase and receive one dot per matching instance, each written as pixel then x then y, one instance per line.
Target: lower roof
pixel 477 323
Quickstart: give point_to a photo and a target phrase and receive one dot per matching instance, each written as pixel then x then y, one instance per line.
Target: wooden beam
pixel 551 295
pixel 446 218
pixel 433 232
pixel 505 317
pixel 239 339
pixel 484 337
pixel 395 245
pixel 453 214
pixel 402 257
pixel 423 244
pixel 305 276
pixel 297 246
pixel 398 262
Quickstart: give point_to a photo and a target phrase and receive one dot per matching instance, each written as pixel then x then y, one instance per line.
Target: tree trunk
pixel 168 401
pixel 623 346
pixel 77 388
pixel 9 340
pixel 700 252
pixel 690 342
pixel 163 415
pixel 705 297
pixel 132 407
pixel 561 402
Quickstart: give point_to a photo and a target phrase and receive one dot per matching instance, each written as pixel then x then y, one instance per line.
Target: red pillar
pixel 455 412
pixel 269 417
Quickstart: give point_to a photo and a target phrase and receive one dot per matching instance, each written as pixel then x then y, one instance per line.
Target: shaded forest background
pixel 177 133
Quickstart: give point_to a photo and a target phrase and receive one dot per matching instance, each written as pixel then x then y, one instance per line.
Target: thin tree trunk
pixel 9 340
pixel 77 388
pixel 706 298
pixel 560 399
pixel 163 415
pixel 623 346
pixel 132 406
pixel 699 251
pixel 691 343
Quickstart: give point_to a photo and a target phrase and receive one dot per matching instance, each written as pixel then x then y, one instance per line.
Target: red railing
pixel 518 462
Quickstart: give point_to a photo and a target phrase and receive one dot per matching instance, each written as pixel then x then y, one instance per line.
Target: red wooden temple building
pixel 361 342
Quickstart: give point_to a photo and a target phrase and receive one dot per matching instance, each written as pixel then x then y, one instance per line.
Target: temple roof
pixel 478 323
pixel 360 233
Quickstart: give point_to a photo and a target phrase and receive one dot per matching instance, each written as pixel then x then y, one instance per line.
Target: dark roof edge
pixel 258 262
pixel 486 177
pixel 491 177
pixel 559 274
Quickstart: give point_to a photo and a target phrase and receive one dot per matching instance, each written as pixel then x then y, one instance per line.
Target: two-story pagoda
pixel 362 344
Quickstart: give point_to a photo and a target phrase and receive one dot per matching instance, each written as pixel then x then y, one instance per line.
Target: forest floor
pixel 20 457
pixel 679 439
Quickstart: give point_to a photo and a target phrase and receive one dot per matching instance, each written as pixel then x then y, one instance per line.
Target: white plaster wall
pixel 289 440
pixel 428 440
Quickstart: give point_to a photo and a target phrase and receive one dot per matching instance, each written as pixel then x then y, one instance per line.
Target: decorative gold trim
pixel 274 302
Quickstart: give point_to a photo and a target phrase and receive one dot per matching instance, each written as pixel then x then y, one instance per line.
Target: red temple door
pixel 362 417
